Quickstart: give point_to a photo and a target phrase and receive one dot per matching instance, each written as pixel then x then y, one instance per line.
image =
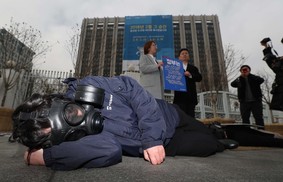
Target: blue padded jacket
pixel 134 121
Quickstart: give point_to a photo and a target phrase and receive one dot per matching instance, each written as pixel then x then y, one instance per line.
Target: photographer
pixel 249 95
pixel 60 132
pixel 275 63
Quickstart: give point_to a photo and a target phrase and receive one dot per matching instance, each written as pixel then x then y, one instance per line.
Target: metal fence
pixel 40 81
pixel 47 82
pixel 228 106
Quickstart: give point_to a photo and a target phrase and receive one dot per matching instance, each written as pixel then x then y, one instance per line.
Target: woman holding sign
pixel 151 77
pixel 187 101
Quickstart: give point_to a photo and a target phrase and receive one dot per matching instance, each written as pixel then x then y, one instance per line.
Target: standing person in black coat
pixel 249 95
pixel 275 63
pixel 187 101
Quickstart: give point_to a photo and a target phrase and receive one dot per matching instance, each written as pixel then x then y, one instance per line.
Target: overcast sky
pixel 243 23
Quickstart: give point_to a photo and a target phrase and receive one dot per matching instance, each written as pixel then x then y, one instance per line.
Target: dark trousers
pixel 192 138
pixel 277 99
pixel 255 107
pixel 188 108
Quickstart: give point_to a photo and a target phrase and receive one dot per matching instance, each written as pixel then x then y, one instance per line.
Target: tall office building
pixel 101 47
pixel 14 54
pixel 15 58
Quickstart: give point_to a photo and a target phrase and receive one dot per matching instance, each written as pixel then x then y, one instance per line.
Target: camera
pixel 271 55
pixel 265 40
pixel 245 70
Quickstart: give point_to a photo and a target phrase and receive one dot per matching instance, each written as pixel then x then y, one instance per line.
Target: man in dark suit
pixel 275 63
pixel 249 95
pixel 188 100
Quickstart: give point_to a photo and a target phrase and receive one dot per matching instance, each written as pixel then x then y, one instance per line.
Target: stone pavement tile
pixel 230 165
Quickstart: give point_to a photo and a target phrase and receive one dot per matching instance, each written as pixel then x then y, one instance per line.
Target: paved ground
pixel 252 164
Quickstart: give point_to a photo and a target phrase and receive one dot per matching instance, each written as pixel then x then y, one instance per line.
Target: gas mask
pixel 72 120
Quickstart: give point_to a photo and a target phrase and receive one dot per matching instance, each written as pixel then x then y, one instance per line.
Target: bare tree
pixel 20 46
pixel 72 44
pixel 233 60
pixel 266 88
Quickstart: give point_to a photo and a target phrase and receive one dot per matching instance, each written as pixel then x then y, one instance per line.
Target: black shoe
pixel 229 144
